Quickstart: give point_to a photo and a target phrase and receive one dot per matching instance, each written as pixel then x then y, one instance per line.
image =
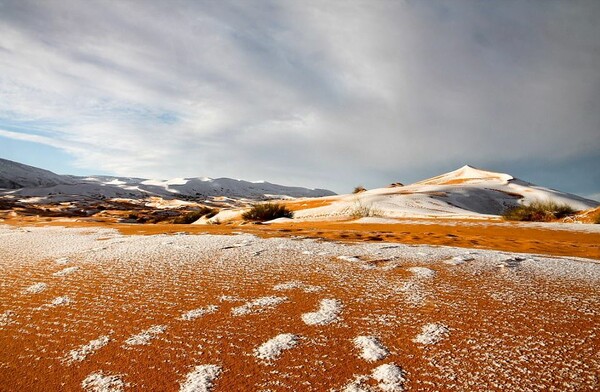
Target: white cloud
pixel 314 93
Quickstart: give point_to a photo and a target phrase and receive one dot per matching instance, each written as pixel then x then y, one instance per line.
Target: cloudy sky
pixel 315 93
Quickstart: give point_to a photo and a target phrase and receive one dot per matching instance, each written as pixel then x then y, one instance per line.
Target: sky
pixel 327 94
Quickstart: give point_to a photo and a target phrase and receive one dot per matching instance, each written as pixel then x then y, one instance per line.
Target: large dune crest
pixel 467 192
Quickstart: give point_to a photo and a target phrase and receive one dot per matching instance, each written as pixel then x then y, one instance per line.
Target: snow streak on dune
pixel 432 333
pixel 82 352
pixel 328 312
pixel 201 379
pixel 272 349
pixel 195 313
pixel 371 348
pixel 144 338
pixel 99 382
pixel 258 305
pixel 35 288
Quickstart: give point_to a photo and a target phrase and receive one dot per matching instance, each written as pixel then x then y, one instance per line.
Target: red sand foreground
pixel 509 327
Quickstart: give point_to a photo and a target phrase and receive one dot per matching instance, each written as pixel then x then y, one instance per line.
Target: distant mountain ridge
pixel 28 181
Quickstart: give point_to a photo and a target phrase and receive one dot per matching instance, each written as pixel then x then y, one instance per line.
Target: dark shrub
pixel 359 189
pixel 538 212
pixel 193 216
pixel 267 211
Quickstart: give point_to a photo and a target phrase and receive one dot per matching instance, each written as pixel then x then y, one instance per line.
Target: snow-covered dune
pixel 465 192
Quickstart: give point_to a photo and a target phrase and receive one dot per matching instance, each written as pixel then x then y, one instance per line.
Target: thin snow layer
pixel 414 292
pixel 66 271
pixel 358 385
pixel 391 377
pixel 353 259
pixel 82 352
pixel 6 318
pixel 422 272
pixel 201 379
pixel 144 338
pixel 196 313
pixel 328 312
pixel 371 348
pixel 98 382
pixel 58 301
pixel 460 259
pixel 273 348
pixel 258 305
pixel 295 284
pixel 36 288
pixel 432 333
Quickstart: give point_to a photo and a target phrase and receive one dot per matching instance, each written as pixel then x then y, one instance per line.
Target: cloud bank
pixel 318 93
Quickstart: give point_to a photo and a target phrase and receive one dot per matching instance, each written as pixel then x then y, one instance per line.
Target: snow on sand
pixel 273 348
pixel 371 348
pixel 82 352
pixel 432 333
pixel 328 312
pixel 144 337
pixel 258 305
pixel 98 382
pixel 196 313
pixel 201 379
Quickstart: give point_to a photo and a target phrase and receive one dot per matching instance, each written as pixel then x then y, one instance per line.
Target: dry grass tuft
pixel 538 212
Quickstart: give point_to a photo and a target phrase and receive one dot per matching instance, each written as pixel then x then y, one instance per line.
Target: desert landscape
pixel 299 196
pixel 423 288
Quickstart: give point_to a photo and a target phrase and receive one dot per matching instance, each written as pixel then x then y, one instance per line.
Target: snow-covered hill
pixel 27 181
pixel 15 175
pixel 465 192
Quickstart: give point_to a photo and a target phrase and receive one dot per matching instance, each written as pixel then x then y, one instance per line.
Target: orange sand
pixel 511 237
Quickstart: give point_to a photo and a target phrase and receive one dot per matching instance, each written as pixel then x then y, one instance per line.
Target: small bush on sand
pixel 360 210
pixel 538 212
pixel 193 216
pixel 267 211
pixel 597 220
pixel 359 189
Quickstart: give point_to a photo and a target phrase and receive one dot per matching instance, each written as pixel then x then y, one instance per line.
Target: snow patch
pixel 258 305
pixel 371 348
pixel 144 337
pixel 98 382
pixel 272 349
pixel 296 284
pixel 82 352
pixel 196 313
pixel 6 318
pixel 432 333
pixel 328 312
pixel 422 272
pixel 201 379
pixel 358 385
pixel 66 271
pixel 35 288
pixel 390 376
pixel 457 260
pixel 352 259
pixel 59 301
